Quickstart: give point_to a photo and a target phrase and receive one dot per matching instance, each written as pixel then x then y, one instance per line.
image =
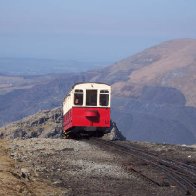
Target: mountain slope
pixel 155 92
pixel 170 64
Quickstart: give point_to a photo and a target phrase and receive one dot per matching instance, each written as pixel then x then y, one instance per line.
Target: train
pixel 86 110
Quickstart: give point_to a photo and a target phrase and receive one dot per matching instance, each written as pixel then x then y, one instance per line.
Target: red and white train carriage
pixel 86 109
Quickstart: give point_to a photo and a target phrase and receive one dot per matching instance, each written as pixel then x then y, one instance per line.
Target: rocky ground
pixel 16 179
pixel 34 160
pixel 41 166
pixel 45 124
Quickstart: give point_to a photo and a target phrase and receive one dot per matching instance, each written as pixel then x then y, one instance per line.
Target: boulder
pixel 114 133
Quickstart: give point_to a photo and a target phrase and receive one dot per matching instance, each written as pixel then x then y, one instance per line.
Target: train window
pixel 78 97
pixel 91 97
pixel 104 98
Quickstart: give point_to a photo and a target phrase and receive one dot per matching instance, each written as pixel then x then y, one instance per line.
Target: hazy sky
pixel 91 30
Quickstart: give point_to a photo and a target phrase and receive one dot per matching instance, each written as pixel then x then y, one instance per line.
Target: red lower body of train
pixel 92 120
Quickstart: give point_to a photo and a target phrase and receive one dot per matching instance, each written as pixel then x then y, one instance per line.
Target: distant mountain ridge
pixel 39 66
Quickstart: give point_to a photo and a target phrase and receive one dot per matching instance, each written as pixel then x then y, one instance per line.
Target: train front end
pixel 86 109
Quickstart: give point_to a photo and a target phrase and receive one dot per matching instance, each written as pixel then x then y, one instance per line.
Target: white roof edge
pixel 88 83
pixel 85 83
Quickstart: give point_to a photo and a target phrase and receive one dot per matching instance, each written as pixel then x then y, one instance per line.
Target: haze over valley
pixel 37 66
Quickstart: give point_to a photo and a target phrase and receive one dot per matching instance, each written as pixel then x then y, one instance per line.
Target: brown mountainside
pixel 154 94
pixel 170 64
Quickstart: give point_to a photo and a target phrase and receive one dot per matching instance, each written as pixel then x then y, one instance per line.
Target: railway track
pixel 182 174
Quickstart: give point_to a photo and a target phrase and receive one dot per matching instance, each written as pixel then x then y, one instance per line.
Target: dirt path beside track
pixel 14 179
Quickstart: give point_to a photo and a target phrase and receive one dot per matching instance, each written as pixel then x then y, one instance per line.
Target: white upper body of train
pixel 88 95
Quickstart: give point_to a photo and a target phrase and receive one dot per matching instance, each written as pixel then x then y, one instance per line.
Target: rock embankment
pixel 46 124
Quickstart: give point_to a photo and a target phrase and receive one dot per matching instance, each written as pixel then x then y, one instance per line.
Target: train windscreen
pixel 91 97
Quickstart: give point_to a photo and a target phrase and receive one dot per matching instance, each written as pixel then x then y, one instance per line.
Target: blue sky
pixel 91 30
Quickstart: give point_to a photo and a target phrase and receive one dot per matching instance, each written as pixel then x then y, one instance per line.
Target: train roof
pixel 88 83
